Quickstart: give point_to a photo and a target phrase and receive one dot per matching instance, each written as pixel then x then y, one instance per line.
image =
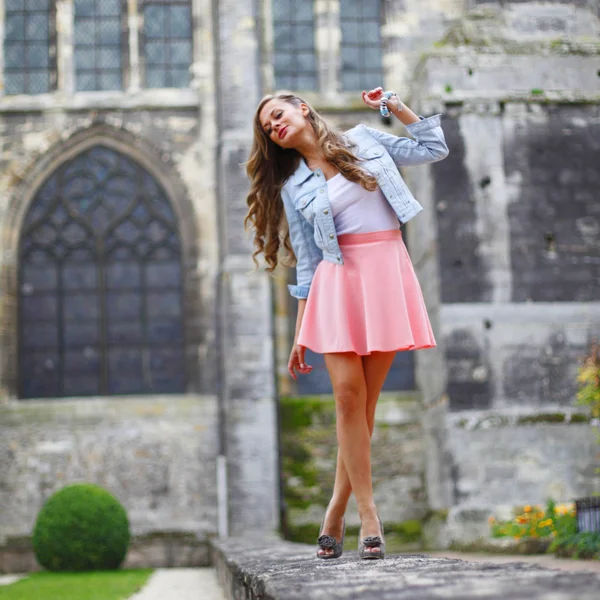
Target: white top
pixel 356 210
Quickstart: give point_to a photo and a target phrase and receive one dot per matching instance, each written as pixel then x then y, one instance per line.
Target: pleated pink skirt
pixel 371 303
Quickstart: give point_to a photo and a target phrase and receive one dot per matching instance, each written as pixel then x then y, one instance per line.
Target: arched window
pixel 100 283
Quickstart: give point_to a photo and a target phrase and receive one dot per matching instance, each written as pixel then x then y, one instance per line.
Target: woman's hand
pixel 296 362
pixel 373 99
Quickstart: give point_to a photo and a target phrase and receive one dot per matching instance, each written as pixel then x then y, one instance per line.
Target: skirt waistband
pixel 347 239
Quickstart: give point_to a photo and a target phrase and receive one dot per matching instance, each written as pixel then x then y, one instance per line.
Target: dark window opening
pixel 99 29
pixel 100 283
pixel 294 45
pixel 167 44
pixel 361 50
pixel 29 37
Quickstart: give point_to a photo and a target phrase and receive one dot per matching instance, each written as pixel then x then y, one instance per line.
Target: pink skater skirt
pixel 371 303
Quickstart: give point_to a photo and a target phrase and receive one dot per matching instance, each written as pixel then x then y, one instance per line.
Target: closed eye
pixel 277 116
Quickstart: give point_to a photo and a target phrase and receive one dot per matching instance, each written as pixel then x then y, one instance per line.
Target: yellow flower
pixel 527 508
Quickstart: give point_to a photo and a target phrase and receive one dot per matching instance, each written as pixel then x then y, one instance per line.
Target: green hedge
pixel 81 528
pixel 579 545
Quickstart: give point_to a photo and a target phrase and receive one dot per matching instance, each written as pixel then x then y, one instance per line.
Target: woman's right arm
pixel 308 256
pixel 296 361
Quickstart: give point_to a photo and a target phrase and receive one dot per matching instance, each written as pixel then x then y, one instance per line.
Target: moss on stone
pixel 439 515
pixel 409 531
pixel 542 418
pixel 307 425
pixel 297 413
pixel 580 418
pixel 17 542
pixel 499 421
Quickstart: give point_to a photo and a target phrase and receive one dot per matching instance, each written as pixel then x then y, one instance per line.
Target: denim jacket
pixel 307 206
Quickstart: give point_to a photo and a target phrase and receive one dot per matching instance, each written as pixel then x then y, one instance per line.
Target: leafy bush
pixel 536 522
pixel 579 545
pixel 81 528
pixel 588 379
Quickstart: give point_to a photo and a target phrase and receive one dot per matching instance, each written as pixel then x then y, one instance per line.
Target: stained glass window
pixel 100 283
pixel 98 44
pixel 27 37
pixel 294 45
pixel 167 43
pixel 361 48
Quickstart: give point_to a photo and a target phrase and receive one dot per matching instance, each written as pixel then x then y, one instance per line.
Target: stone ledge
pixel 274 570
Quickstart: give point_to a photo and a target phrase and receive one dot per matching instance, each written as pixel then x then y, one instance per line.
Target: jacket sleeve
pixel 308 255
pixel 428 145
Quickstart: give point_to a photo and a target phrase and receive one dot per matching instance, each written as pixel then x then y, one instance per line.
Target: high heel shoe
pixel 326 542
pixel 372 541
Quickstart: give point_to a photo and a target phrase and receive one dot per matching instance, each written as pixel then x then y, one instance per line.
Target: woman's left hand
pixel 373 99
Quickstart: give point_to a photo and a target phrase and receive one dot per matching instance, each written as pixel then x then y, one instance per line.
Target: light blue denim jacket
pixel 307 206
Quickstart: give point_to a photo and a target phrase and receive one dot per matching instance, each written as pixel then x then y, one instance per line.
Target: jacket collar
pixel 301 174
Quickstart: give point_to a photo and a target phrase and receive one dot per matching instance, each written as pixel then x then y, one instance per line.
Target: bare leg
pixel 375 368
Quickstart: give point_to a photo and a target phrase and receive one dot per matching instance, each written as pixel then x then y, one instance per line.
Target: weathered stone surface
pixel 274 570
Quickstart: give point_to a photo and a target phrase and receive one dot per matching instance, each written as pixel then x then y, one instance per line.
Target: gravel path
pixel 181 584
pixel 8 579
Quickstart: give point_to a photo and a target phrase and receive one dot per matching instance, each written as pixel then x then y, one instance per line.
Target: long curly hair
pixel 268 168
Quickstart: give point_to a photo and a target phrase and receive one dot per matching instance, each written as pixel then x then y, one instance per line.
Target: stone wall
pixel 517 229
pixel 155 454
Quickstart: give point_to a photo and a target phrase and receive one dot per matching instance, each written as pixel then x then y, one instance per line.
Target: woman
pixel 335 202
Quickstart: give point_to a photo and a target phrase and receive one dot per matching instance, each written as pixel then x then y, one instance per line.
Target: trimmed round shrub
pixel 82 527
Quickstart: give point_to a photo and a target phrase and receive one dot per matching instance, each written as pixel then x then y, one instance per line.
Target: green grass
pixel 96 585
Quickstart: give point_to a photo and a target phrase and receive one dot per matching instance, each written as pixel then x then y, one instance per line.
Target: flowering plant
pixel 535 521
pixel 588 379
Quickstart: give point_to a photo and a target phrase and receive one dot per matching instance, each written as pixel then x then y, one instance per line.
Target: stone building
pixel 141 351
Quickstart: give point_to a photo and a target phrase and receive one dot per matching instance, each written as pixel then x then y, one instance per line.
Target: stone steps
pixel 270 569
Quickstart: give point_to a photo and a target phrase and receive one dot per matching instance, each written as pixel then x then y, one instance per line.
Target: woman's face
pixel 284 123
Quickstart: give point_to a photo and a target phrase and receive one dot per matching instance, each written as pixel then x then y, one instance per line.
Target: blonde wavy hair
pixel 268 168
